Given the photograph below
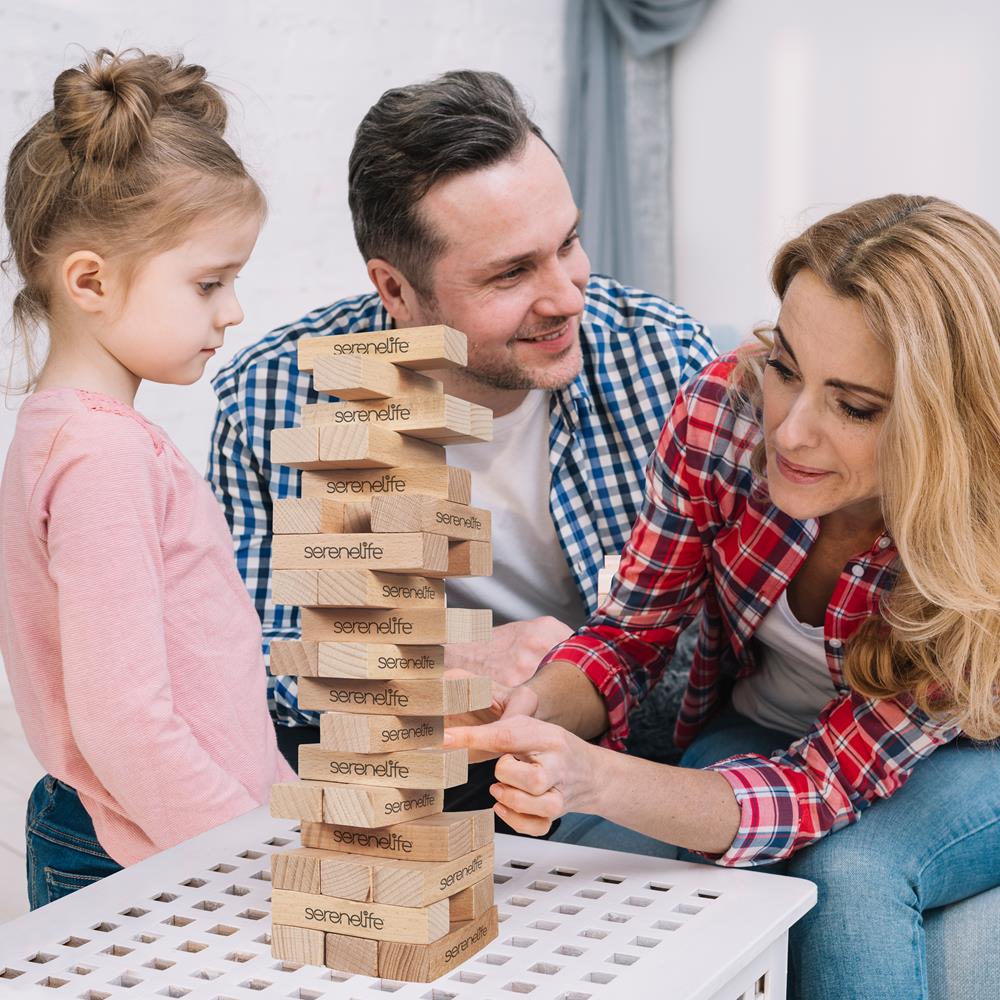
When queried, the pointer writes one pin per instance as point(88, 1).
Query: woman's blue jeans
point(934, 842)
point(63, 853)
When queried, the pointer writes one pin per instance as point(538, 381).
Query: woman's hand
point(507, 701)
point(543, 773)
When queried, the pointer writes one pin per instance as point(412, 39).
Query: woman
point(830, 502)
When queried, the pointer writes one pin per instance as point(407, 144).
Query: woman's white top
point(792, 682)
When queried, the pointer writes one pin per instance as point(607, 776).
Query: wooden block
point(369, 806)
point(471, 902)
point(298, 516)
point(298, 800)
point(403, 626)
point(290, 656)
point(441, 517)
point(369, 447)
point(481, 421)
point(379, 733)
point(355, 588)
point(308, 870)
point(445, 482)
point(359, 660)
point(416, 924)
point(434, 696)
point(470, 559)
point(418, 883)
point(425, 963)
point(418, 347)
point(382, 880)
point(407, 552)
point(434, 768)
point(299, 870)
point(441, 837)
point(319, 515)
point(356, 955)
point(439, 418)
point(296, 944)
point(294, 586)
point(359, 377)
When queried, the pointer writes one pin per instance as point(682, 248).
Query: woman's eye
point(783, 371)
point(207, 286)
point(862, 416)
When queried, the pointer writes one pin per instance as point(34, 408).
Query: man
point(464, 217)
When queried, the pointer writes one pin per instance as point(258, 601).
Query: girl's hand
point(543, 773)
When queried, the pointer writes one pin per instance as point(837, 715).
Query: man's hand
point(543, 773)
point(512, 654)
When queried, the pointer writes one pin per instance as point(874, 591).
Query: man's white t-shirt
point(511, 477)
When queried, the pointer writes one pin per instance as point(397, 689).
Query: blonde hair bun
point(103, 110)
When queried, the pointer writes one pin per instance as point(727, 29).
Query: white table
point(576, 923)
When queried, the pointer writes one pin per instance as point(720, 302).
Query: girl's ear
point(85, 281)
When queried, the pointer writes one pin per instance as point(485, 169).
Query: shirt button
point(835, 644)
point(884, 542)
point(858, 570)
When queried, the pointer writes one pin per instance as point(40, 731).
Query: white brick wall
point(301, 75)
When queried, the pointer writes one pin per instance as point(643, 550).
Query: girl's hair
point(927, 275)
point(130, 157)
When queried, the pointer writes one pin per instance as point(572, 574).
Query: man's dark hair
point(414, 137)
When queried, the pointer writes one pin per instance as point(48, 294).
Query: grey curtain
point(617, 131)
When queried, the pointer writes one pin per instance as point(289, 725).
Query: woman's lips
point(800, 474)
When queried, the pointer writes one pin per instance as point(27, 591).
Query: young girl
point(132, 647)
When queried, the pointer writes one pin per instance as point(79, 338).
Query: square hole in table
point(493, 959)
point(74, 942)
point(81, 970)
point(160, 964)
point(438, 995)
point(589, 893)
point(539, 886)
point(165, 897)
point(687, 908)
point(104, 927)
point(255, 984)
point(563, 872)
point(569, 949)
point(545, 968)
point(40, 958)
point(645, 942)
point(147, 938)
point(622, 958)
point(53, 982)
point(126, 980)
point(520, 942)
point(117, 950)
point(194, 883)
point(667, 925)
point(523, 865)
point(94, 995)
point(252, 855)
point(176, 920)
point(134, 911)
point(192, 947)
point(173, 991)
point(598, 977)
point(466, 977)
point(8, 973)
point(616, 918)
point(208, 904)
point(544, 925)
point(611, 879)
point(517, 987)
point(590, 932)
point(567, 908)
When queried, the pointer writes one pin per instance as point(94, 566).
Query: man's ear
point(85, 280)
point(397, 294)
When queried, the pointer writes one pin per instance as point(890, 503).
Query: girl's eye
point(207, 286)
point(862, 416)
point(783, 371)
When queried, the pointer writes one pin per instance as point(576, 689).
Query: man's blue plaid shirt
point(638, 350)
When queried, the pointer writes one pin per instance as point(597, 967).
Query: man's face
point(512, 275)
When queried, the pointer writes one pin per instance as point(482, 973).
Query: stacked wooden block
point(386, 884)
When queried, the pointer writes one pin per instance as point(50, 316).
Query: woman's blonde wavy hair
point(927, 275)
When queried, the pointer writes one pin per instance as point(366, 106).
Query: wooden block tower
point(385, 884)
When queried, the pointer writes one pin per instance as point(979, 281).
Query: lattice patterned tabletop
point(576, 924)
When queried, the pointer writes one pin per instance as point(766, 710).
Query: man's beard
point(510, 374)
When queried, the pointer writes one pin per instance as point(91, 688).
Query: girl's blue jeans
point(63, 853)
point(934, 842)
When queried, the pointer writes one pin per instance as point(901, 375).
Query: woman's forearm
point(567, 698)
point(684, 806)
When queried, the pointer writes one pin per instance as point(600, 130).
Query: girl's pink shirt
point(132, 646)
